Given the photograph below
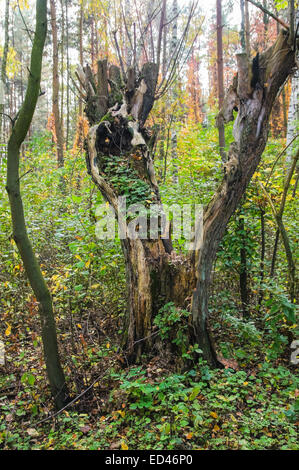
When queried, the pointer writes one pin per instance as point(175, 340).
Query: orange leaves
point(81, 133)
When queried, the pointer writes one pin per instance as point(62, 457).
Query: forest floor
point(252, 403)
point(150, 406)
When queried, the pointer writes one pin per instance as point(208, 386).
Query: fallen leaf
point(32, 432)
point(8, 330)
point(85, 429)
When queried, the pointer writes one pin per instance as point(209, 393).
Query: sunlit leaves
point(13, 64)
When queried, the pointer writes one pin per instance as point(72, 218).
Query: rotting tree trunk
point(119, 158)
point(55, 97)
point(20, 235)
point(119, 161)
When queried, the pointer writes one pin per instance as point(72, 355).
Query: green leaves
point(28, 379)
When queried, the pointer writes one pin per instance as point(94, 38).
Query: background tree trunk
point(293, 115)
point(55, 97)
point(3, 68)
point(220, 78)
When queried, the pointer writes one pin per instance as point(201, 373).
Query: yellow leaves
point(13, 64)
point(21, 3)
point(95, 286)
point(124, 446)
point(8, 330)
point(216, 428)
point(18, 267)
point(213, 414)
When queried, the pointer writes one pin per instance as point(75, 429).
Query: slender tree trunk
point(242, 32)
point(293, 116)
point(55, 97)
point(285, 114)
point(62, 64)
point(162, 136)
point(32, 268)
point(173, 140)
point(278, 215)
point(81, 59)
point(274, 254)
point(262, 263)
point(3, 68)
point(220, 122)
point(243, 268)
point(247, 29)
point(67, 78)
point(92, 43)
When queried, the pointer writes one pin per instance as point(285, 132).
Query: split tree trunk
point(120, 163)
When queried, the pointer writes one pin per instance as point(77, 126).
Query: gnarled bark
point(119, 145)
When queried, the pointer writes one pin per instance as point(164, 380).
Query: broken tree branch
point(261, 7)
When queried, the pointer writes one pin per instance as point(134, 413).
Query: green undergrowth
point(150, 409)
